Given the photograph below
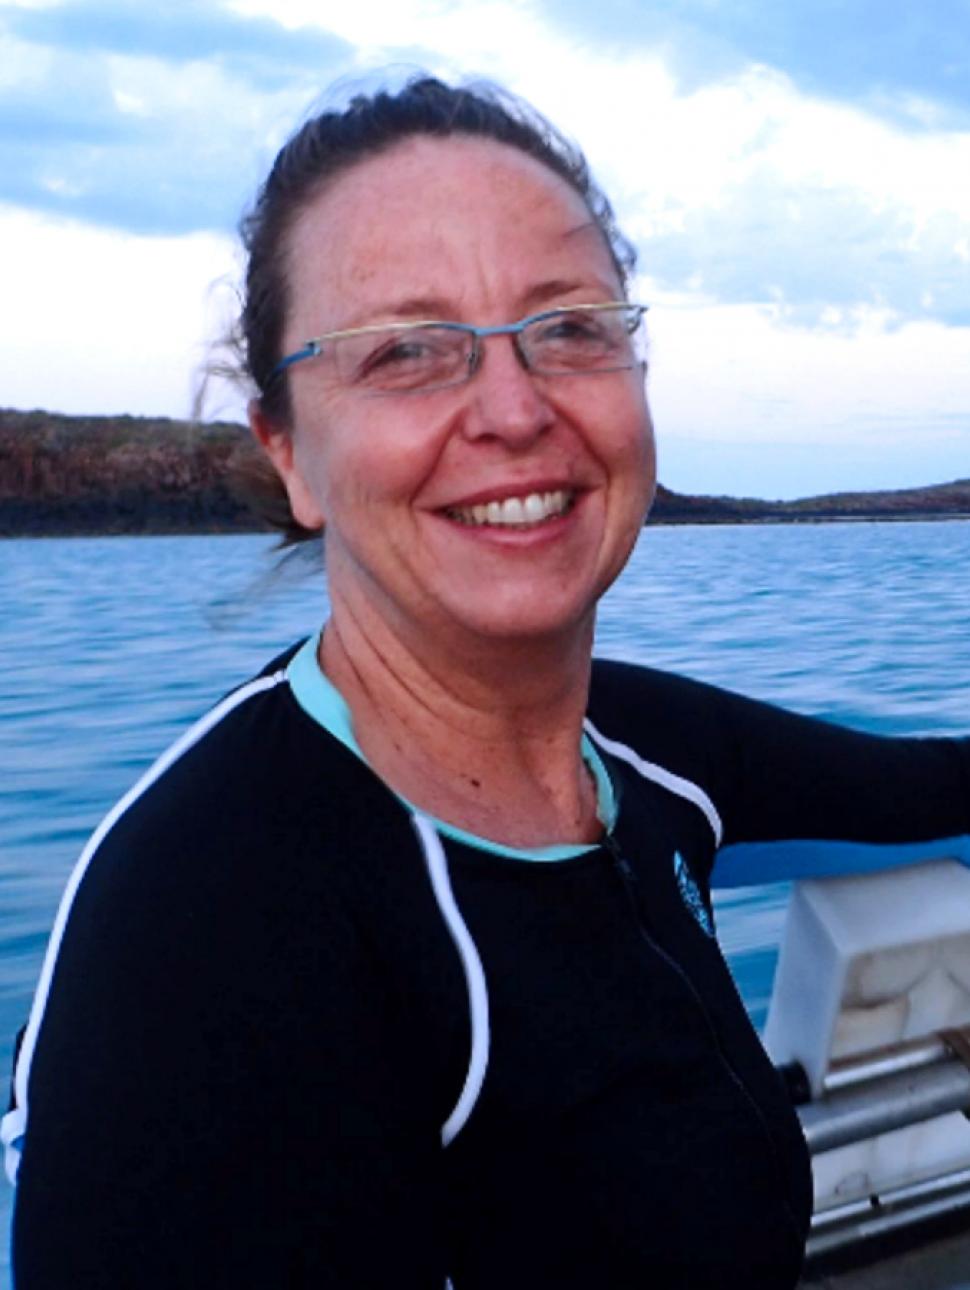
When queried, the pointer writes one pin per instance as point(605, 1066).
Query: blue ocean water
point(110, 647)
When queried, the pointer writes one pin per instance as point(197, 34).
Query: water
point(112, 646)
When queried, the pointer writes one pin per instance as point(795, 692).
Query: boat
point(869, 1024)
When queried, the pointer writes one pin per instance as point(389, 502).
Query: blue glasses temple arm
point(309, 350)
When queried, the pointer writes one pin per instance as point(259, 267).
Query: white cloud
point(161, 140)
point(97, 321)
point(457, 28)
point(23, 65)
point(133, 104)
point(723, 372)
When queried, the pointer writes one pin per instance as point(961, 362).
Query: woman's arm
point(809, 798)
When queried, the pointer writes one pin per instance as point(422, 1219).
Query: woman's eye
point(402, 351)
point(407, 359)
point(571, 329)
point(566, 327)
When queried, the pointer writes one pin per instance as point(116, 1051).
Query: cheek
point(649, 452)
point(634, 466)
point(355, 468)
point(644, 422)
point(632, 439)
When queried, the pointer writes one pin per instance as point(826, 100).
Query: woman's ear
point(277, 442)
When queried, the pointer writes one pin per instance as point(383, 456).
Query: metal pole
point(866, 1219)
point(885, 1104)
point(892, 1060)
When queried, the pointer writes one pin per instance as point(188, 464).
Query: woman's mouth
point(515, 512)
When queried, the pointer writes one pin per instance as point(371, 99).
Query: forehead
point(461, 222)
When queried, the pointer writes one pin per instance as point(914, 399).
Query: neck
point(486, 736)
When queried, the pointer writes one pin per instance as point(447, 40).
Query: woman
point(400, 966)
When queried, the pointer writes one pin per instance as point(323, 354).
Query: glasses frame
point(314, 347)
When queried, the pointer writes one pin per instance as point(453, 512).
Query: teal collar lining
point(321, 700)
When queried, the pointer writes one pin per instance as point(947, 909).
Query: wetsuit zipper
point(631, 886)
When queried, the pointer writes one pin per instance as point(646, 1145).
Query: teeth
point(516, 511)
point(534, 508)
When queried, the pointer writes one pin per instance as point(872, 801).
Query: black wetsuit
point(259, 1019)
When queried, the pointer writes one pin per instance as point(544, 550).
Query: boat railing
point(869, 1023)
point(874, 1093)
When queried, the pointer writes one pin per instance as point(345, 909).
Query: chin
point(533, 621)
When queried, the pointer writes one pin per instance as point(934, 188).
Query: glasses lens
point(583, 339)
point(411, 356)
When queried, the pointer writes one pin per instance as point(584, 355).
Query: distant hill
point(64, 476)
point(938, 501)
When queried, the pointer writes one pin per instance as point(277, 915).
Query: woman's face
point(473, 231)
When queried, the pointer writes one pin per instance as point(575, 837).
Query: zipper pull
point(620, 862)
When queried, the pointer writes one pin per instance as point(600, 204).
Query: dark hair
point(333, 142)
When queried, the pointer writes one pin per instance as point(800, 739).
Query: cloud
point(744, 403)
point(107, 322)
point(821, 253)
point(180, 32)
point(720, 366)
point(751, 191)
point(909, 63)
point(100, 124)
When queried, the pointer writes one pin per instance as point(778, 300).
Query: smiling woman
point(494, 237)
point(400, 966)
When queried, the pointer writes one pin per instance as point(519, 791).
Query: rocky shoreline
point(84, 476)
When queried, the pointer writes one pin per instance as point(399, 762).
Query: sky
point(795, 177)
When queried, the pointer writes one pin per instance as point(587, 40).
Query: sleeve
point(215, 1098)
point(802, 797)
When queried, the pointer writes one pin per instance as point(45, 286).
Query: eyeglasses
point(401, 358)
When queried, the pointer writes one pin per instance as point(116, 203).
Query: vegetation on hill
point(62, 475)
point(938, 501)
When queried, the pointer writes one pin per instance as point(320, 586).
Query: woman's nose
point(505, 400)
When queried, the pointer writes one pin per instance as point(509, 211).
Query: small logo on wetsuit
point(691, 894)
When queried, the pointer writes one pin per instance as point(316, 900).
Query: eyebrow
point(545, 292)
point(437, 308)
point(417, 307)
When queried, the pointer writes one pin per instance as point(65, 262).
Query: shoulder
point(254, 800)
point(700, 732)
point(615, 681)
point(257, 891)
point(666, 706)
point(661, 710)
point(230, 871)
